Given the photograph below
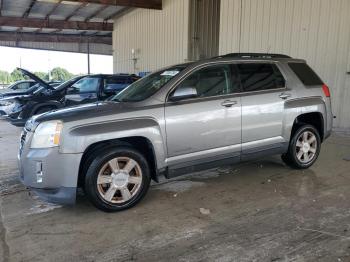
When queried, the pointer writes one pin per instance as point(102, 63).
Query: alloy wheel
point(119, 180)
point(306, 147)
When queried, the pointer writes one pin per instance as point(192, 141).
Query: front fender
point(77, 139)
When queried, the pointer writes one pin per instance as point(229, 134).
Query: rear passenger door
point(263, 96)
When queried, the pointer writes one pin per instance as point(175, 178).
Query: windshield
point(67, 83)
point(38, 89)
point(147, 86)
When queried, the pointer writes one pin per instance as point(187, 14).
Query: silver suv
point(177, 120)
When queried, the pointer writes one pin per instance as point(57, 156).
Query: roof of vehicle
point(110, 75)
point(24, 81)
point(256, 57)
point(239, 57)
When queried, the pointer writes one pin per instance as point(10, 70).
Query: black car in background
point(29, 87)
point(22, 85)
point(79, 90)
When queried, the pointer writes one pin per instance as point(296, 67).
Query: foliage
point(60, 74)
point(16, 75)
point(57, 74)
point(5, 77)
point(42, 75)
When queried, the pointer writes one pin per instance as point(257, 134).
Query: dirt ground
point(256, 211)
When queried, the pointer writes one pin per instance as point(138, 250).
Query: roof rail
point(255, 55)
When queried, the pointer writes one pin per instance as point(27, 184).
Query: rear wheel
point(117, 179)
point(304, 148)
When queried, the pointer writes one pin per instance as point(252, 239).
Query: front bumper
point(49, 173)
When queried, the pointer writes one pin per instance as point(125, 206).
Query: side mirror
point(184, 93)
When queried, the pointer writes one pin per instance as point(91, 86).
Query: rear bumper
point(327, 134)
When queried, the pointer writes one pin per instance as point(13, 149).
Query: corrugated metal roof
point(100, 49)
point(56, 10)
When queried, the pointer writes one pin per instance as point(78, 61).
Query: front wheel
point(304, 148)
point(117, 179)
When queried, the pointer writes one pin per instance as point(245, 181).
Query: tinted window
point(23, 86)
point(210, 81)
point(114, 83)
point(306, 75)
point(86, 85)
point(257, 77)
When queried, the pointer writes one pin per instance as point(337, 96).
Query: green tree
point(5, 77)
point(60, 74)
point(44, 76)
point(16, 75)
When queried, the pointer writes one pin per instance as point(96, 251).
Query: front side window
point(147, 86)
point(86, 85)
point(260, 76)
point(23, 86)
point(210, 81)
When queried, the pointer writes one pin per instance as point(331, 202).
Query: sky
point(43, 61)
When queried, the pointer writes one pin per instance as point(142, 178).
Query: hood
point(85, 111)
point(13, 97)
point(35, 78)
point(14, 94)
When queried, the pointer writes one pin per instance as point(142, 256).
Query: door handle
point(228, 103)
point(284, 95)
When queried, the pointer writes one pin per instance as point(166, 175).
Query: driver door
point(84, 91)
point(207, 127)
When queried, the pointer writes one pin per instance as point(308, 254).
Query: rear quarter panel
point(308, 99)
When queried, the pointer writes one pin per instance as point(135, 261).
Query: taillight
point(326, 91)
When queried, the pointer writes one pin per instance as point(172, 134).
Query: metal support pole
point(88, 55)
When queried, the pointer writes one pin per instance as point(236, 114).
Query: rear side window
point(306, 75)
point(115, 83)
point(260, 76)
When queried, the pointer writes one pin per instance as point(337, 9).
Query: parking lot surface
point(255, 211)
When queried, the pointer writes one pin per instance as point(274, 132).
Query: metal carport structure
point(83, 26)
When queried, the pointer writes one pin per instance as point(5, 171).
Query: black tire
point(91, 187)
point(291, 158)
point(43, 109)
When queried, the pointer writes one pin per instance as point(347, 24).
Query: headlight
point(47, 134)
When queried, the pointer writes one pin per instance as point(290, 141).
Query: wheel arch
point(53, 104)
point(140, 143)
point(312, 118)
point(308, 110)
